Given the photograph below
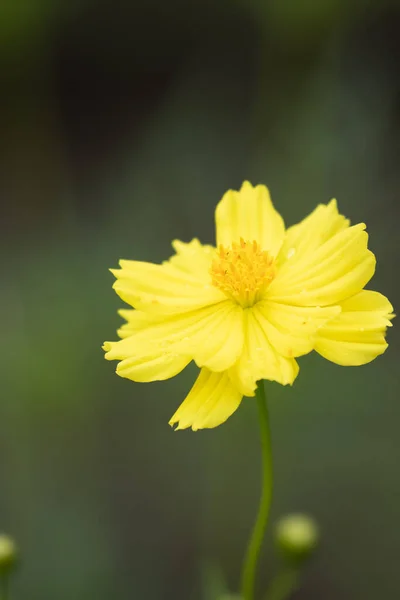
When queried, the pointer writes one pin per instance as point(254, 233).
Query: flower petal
point(146, 365)
point(136, 320)
point(291, 329)
point(194, 258)
point(337, 269)
point(216, 340)
point(211, 336)
point(249, 214)
point(313, 231)
point(212, 399)
point(143, 363)
point(166, 288)
point(260, 360)
point(357, 335)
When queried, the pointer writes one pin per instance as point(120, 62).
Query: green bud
point(8, 554)
point(296, 537)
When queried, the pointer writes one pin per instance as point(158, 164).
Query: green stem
point(285, 583)
point(257, 536)
point(3, 587)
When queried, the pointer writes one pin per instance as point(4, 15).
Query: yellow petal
point(290, 329)
point(212, 399)
point(367, 300)
point(136, 320)
point(313, 231)
point(216, 339)
point(260, 360)
point(144, 361)
point(163, 289)
point(212, 336)
point(194, 258)
point(337, 269)
point(145, 366)
point(357, 335)
point(249, 214)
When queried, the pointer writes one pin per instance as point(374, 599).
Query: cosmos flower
point(247, 309)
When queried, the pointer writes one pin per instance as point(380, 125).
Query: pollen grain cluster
point(242, 271)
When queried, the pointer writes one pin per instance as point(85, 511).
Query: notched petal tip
point(249, 214)
point(246, 185)
point(176, 425)
point(125, 313)
point(210, 402)
point(107, 347)
point(179, 245)
point(124, 263)
point(357, 336)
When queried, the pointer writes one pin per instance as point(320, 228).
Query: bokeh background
point(122, 124)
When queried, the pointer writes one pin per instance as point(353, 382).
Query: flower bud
point(296, 537)
point(8, 554)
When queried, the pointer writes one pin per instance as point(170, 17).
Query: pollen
point(243, 271)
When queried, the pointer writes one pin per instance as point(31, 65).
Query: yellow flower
point(246, 310)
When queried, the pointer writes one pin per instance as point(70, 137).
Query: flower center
point(243, 271)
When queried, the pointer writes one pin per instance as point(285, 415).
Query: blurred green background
point(122, 124)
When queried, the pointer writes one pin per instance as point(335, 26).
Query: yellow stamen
point(243, 271)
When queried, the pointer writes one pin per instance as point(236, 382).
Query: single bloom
point(245, 310)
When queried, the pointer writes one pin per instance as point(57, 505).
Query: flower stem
point(257, 536)
point(3, 587)
point(285, 583)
